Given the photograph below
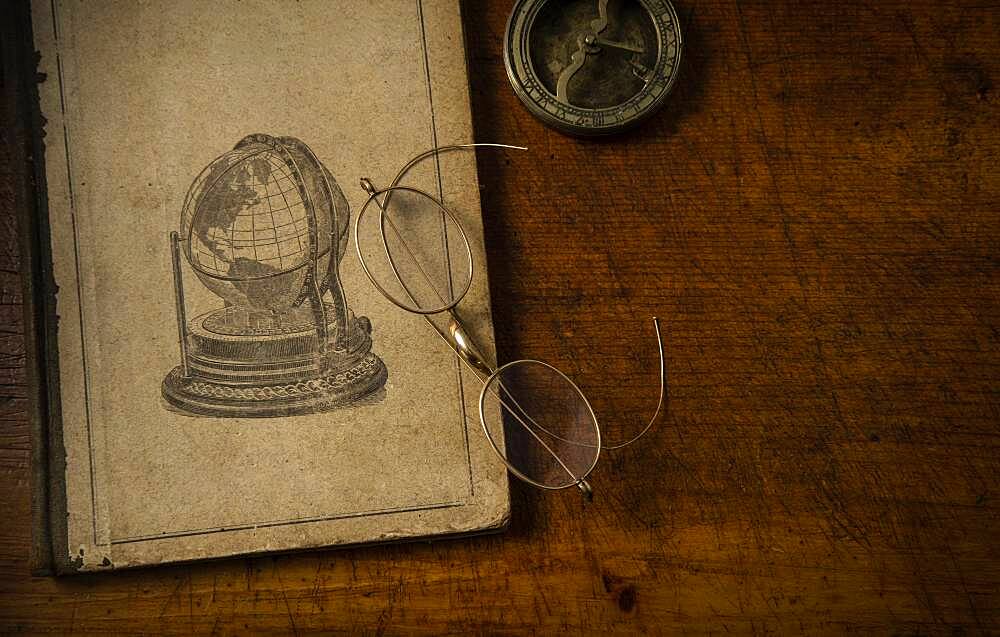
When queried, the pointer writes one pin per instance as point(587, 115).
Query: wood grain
point(814, 216)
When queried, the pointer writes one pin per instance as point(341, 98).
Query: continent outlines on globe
point(247, 227)
point(240, 222)
point(265, 226)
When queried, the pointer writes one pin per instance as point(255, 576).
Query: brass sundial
point(592, 67)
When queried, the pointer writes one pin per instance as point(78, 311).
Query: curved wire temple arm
point(659, 402)
point(443, 149)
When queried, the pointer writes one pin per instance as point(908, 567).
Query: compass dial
point(592, 67)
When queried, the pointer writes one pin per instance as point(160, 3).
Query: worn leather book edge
point(26, 145)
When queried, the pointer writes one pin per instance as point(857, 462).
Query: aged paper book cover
point(224, 380)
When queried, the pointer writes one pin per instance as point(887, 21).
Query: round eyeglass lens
point(414, 250)
point(540, 423)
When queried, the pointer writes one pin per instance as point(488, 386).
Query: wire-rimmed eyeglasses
point(418, 256)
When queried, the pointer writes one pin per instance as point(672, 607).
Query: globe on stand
point(264, 227)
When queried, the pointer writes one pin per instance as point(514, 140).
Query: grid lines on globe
point(266, 232)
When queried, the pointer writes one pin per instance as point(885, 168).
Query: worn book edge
point(27, 152)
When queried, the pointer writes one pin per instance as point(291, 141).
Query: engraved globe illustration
point(264, 227)
point(247, 227)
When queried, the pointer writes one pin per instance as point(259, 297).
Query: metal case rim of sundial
point(583, 130)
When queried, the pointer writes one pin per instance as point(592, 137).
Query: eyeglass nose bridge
point(466, 348)
point(368, 186)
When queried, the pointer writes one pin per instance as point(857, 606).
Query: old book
point(223, 379)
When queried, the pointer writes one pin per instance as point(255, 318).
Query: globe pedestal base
point(209, 398)
point(269, 375)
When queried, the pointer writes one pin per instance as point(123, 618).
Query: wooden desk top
point(814, 216)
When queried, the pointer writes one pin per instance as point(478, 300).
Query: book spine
point(48, 553)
